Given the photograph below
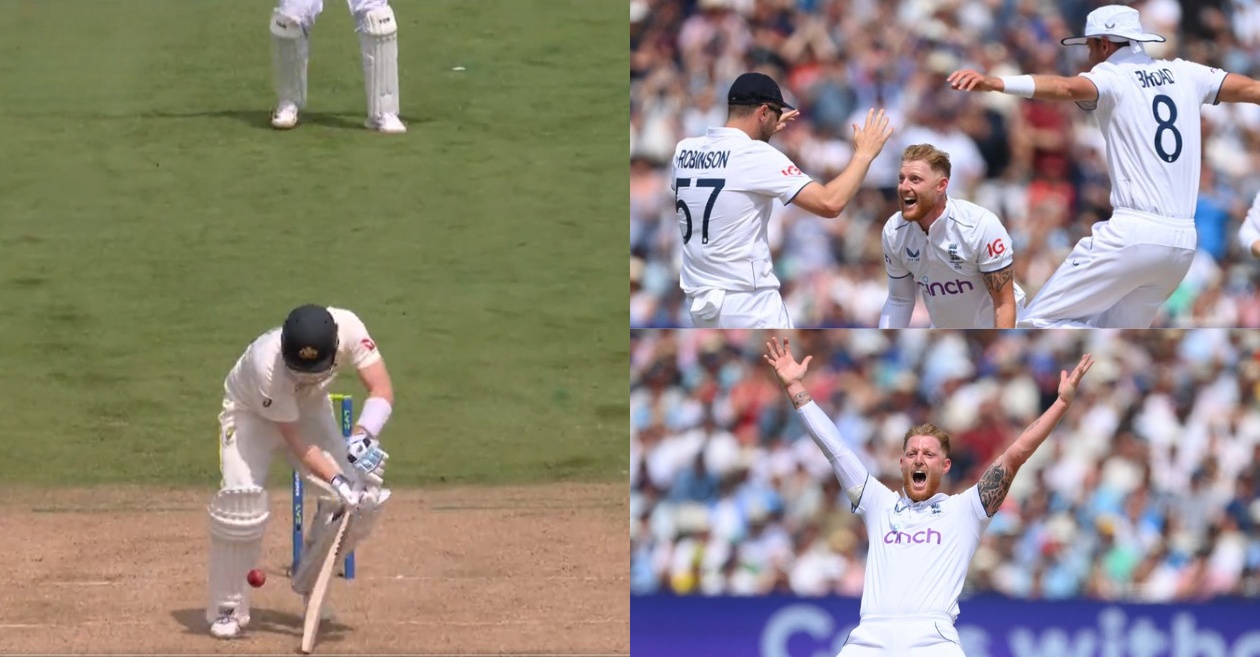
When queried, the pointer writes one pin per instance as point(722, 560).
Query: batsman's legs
point(322, 426)
point(291, 24)
point(238, 519)
point(378, 41)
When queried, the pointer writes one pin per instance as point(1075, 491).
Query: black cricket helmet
point(308, 339)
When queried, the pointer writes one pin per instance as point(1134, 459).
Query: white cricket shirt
point(1148, 111)
point(948, 262)
point(919, 553)
point(1249, 231)
point(725, 184)
point(259, 382)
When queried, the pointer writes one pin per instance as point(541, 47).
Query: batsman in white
point(921, 540)
point(1148, 111)
point(276, 396)
point(955, 252)
point(291, 24)
point(725, 184)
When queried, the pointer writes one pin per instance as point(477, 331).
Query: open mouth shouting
point(918, 478)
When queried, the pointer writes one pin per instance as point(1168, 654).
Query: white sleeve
point(354, 341)
point(899, 307)
point(1207, 80)
point(1104, 80)
point(770, 173)
point(971, 500)
point(892, 259)
point(994, 250)
point(848, 467)
point(1250, 230)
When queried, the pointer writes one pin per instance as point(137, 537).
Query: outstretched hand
point(874, 133)
point(786, 118)
point(1069, 382)
point(969, 80)
point(780, 358)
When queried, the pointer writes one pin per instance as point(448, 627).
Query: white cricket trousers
point(306, 11)
point(1118, 277)
point(763, 308)
point(903, 636)
point(247, 442)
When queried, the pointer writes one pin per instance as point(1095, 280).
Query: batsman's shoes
point(387, 123)
point(226, 627)
point(285, 117)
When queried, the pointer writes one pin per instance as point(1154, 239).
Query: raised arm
point(1238, 88)
point(831, 199)
point(1040, 87)
point(848, 467)
point(995, 483)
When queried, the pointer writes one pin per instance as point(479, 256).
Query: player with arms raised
point(725, 185)
point(277, 396)
point(921, 540)
point(955, 252)
point(1148, 110)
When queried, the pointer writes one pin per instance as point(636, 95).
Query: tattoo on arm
point(996, 280)
point(800, 399)
point(993, 487)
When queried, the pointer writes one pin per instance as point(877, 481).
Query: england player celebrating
point(277, 396)
point(921, 540)
point(1148, 110)
point(956, 253)
point(725, 185)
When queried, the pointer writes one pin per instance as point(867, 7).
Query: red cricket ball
point(256, 578)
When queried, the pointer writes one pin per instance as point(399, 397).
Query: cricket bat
point(311, 626)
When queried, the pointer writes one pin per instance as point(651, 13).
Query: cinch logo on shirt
point(895, 537)
point(946, 288)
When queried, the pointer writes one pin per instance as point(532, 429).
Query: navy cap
point(755, 89)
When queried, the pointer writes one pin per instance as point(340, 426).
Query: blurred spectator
point(1147, 492)
point(1038, 165)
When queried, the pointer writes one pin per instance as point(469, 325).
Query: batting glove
point(367, 457)
point(349, 493)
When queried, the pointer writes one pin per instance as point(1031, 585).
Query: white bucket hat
point(1115, 23)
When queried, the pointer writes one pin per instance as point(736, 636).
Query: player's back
point(1149, 113)
point(725, 184)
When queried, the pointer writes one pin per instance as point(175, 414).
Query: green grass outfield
point(152, 224)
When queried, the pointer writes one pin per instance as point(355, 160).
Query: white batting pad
point(238, 521)
point(378, 39)
point(290, 52)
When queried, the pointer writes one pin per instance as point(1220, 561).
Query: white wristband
point(1018, 85)
point(374, 416)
